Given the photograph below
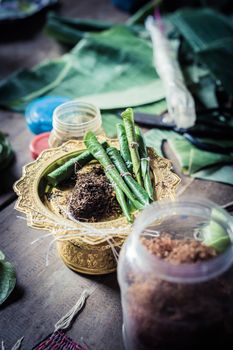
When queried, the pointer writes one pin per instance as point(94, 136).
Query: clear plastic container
point(72, 120)
point(183, 306)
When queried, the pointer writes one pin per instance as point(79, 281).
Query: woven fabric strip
point(58, 341)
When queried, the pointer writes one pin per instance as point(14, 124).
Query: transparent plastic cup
point(72, 120)
point(182, 306)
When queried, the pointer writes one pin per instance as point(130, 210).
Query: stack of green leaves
point(111, 69)
point(210, 36)
point(7, 278)
point(6, 152)
point(193, 161)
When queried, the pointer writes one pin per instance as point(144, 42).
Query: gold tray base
point(85, 254)
point(79, 265)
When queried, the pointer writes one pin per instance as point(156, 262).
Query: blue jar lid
point(39, 113)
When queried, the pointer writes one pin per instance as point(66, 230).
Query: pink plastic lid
point(38, 144)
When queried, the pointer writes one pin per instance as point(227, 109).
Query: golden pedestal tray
point(85, 254)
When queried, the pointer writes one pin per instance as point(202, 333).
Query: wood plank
point(44, 294)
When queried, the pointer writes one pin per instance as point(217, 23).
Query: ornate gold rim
point(38, 215)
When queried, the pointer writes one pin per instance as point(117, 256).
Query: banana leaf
point(210, 35)
point(222, 174)
point(109, 121)
point(110, 63)
point(155, 137)
point(194, 162)
point(132, 96)
point(71, 30)
point(199, 159)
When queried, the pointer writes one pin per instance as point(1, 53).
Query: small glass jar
point(72, 120)
point(178, 306)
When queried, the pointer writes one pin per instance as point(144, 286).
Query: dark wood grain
point(44, 294)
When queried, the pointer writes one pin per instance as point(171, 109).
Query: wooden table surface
point(43, 294)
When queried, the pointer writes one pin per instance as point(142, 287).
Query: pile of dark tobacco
point(93, 198)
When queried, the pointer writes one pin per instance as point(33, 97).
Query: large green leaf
point(109, 124)
point(116, 62)
point(72, 30)
point(155, 137)
point(7, 278)
point(197, 163)
point(210, 35)
point(132, 96)
point(155, 108)
point(199, 159)
point(216, 173)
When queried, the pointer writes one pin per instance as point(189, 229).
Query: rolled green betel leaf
point(128, 120)
point(215, 234)
point(67, 170)
point(98, 152)
point(124, 147)
point(145, 163)
point(121, 199)
point(137, 190)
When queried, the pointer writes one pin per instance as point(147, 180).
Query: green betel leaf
point(128, 120)
point(7, 278)
point(214, 234)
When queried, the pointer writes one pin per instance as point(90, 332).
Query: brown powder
point(163, 315)
point(178, 251)
point(93, 198)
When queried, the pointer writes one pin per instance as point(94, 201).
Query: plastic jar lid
point(72, 120)
point(38, 144)
point(76, 117)
point(39, 113)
